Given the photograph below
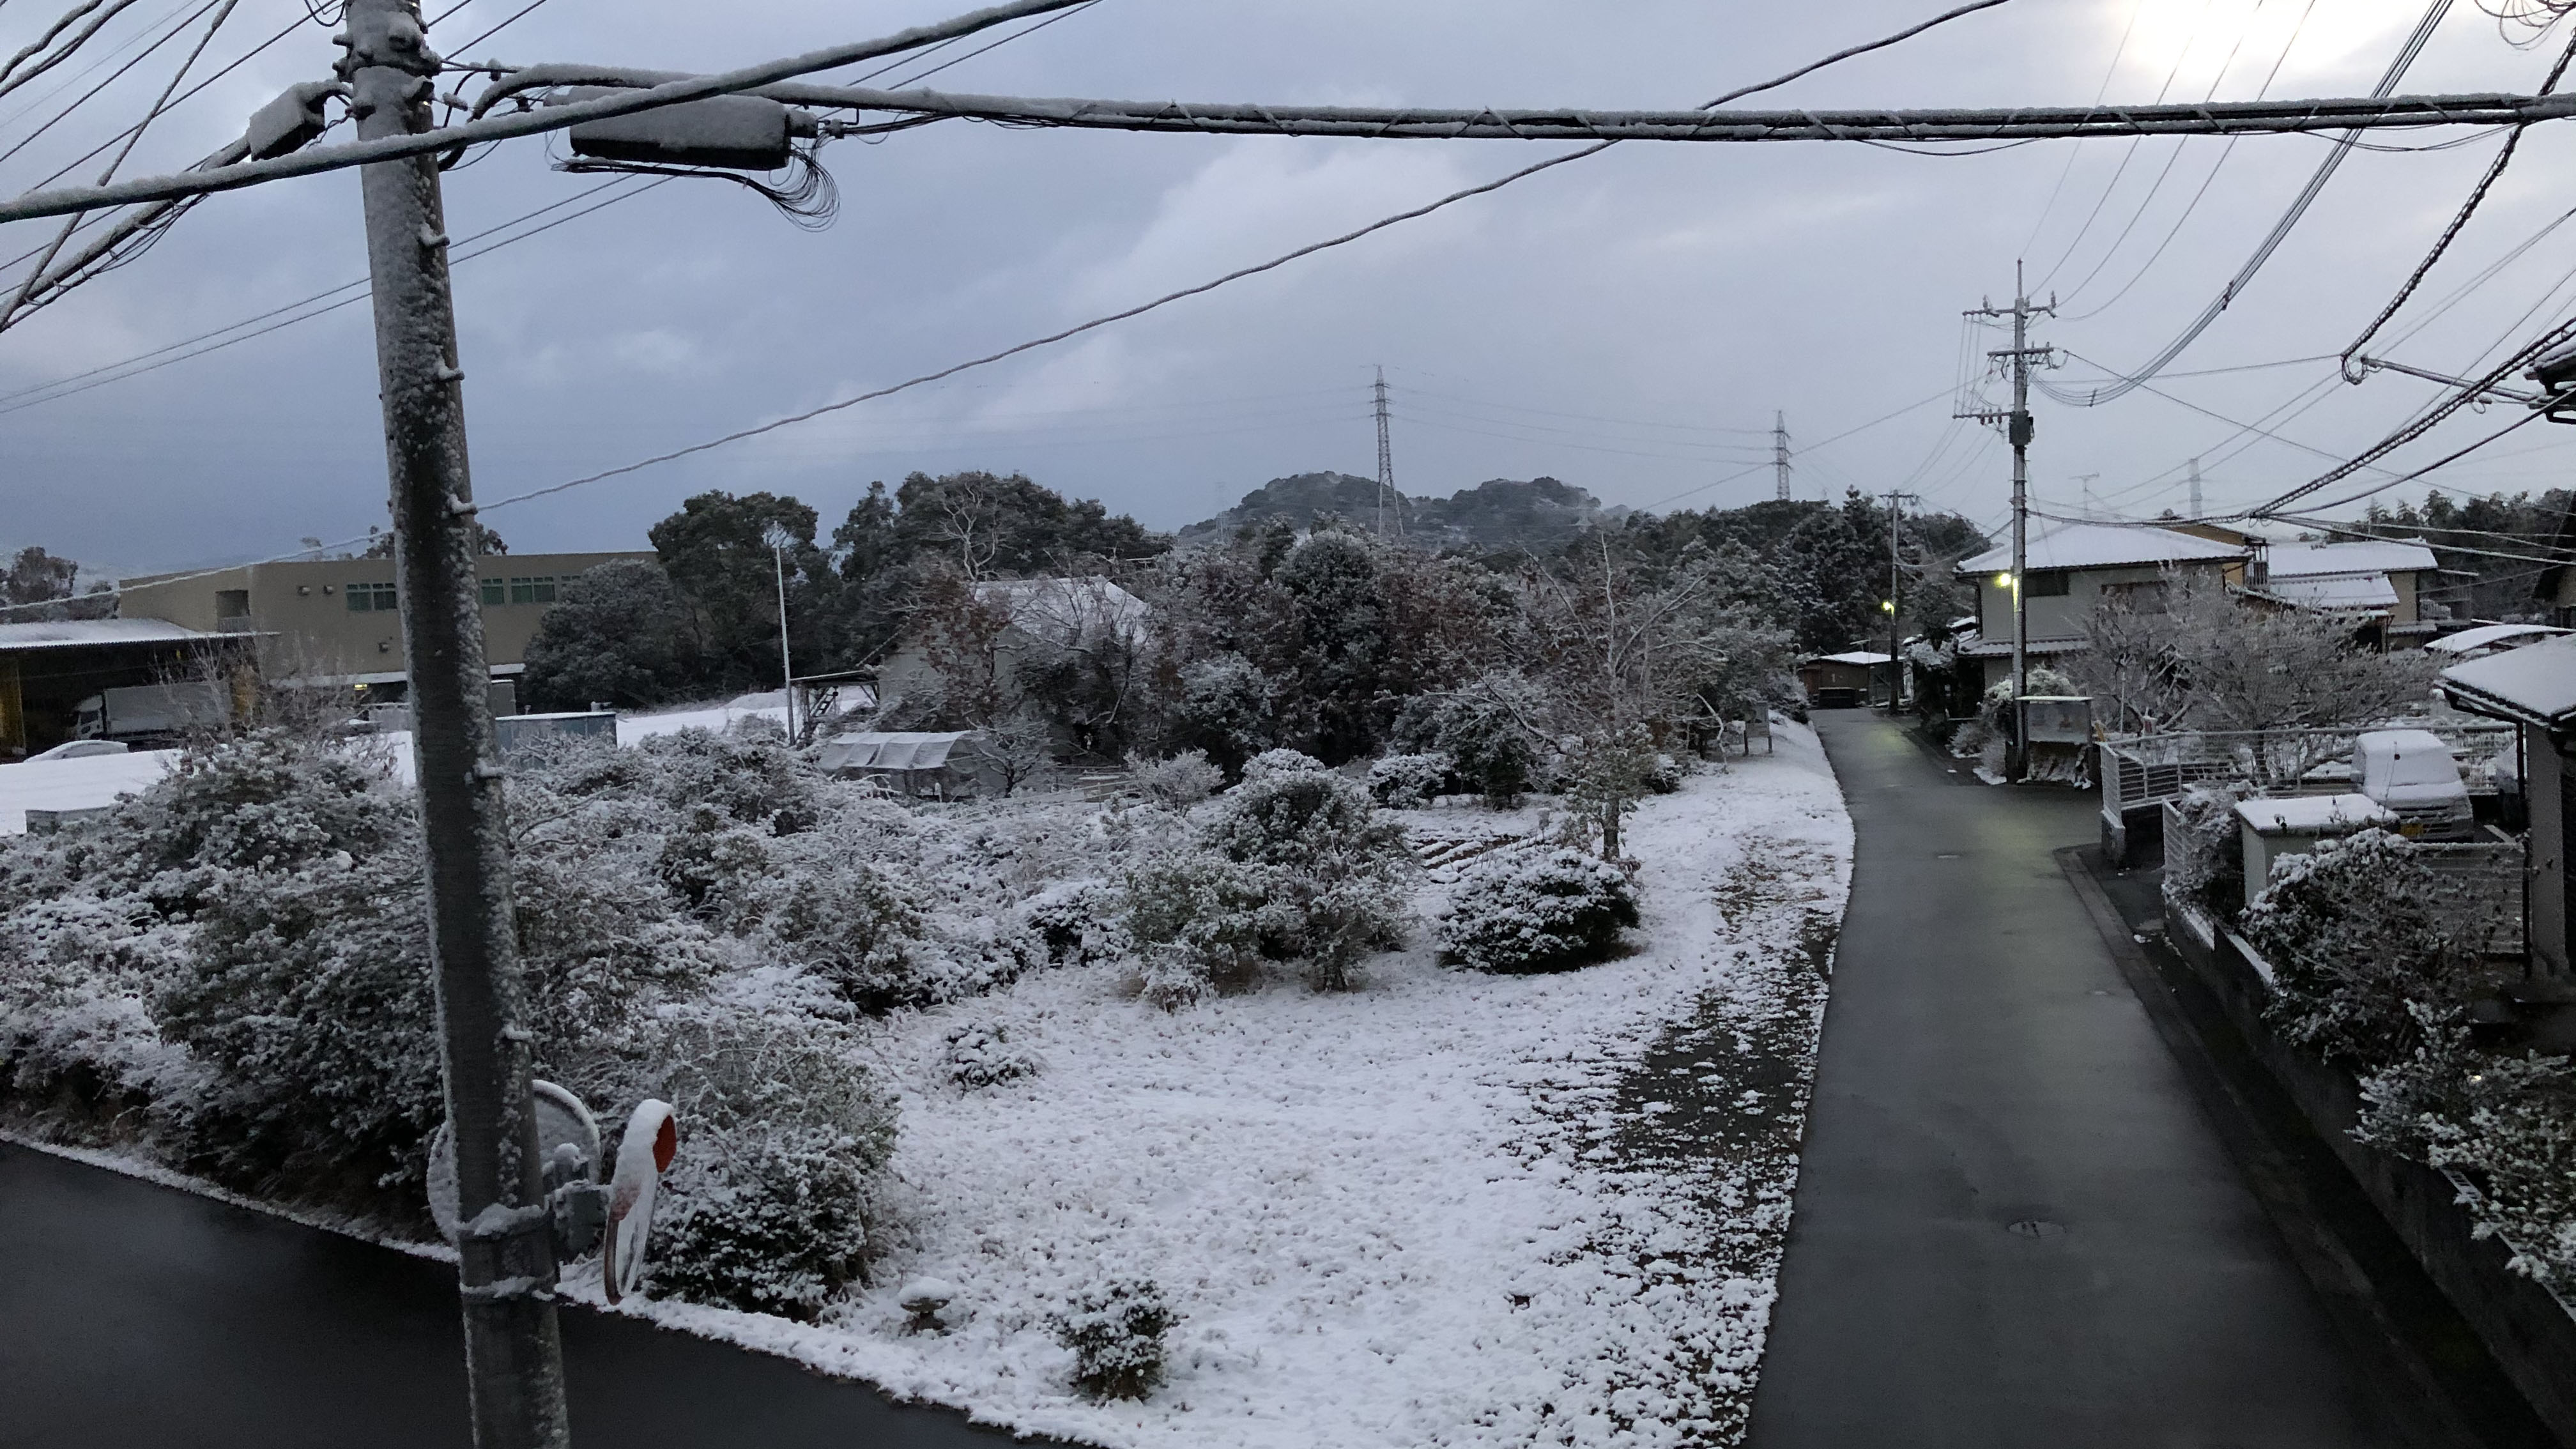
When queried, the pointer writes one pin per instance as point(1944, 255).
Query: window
point(232, 603)
point(538, 590)
point(495, 592)
point(370, 598)
point(2048, 585)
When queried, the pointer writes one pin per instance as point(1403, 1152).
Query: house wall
point(2549, 778)
point(307, 604)
point(2063, 616)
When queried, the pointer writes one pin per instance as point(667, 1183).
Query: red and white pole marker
point(652, 1139)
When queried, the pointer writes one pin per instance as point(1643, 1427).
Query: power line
point(1238, 274)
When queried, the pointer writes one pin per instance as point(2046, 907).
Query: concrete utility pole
point(786, 660)
point(1386, 493)
point(505, 1254)
point(2017, 430)
point(1780, 454)
point(1895, 601)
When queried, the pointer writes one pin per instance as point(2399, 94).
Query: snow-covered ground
point(1433, 1212)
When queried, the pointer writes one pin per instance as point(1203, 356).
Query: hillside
point(1502, 513)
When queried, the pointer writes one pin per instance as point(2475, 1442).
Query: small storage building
point(1845, 681)
point(936, 764)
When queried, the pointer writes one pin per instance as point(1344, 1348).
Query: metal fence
point(2477, 883)
point(2139, 771)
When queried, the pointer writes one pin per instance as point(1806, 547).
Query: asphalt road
point(2014, 1226)
point(137, 1315)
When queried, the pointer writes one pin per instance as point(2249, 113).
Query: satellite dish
point(652, 1139)
point(567, 1143)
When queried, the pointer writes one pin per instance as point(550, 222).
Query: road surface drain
point(2037, 1228)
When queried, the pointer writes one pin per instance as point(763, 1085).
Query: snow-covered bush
point(1664, 776)
point(1295, 865)
point(1544, 913)
point(1079, 923)
point(783, 1132)
point(980, 1054)
point(77, 977)
point(1409, 782)
point(2204, 866)
point(1179, 782)
point(2356, 934)
point(1487, 729)
point(2509, 1122)
point(1116, 1334)
point(855, 927)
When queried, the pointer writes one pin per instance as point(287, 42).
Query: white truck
point(2414, 776)
point(151, 711)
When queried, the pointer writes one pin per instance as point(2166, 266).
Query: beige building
point(339, 620)
point(2072, 568)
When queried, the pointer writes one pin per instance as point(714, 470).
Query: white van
point(2414, 776)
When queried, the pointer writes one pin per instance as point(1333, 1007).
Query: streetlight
point(778, 538)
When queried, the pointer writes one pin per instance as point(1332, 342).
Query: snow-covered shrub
point(855, 927)
point(1295, 865)
point(1079, 923)
point(2356, 933)
point(1664, 776)
point(308, 993)
point(2509, 1122)
point(980, 1054)
point(1179, 782)
point(782, 1134)
point(1116, 1334)
point(77, 977)
point(1544, 913)
point(1409, 782)
point(2204, 866)
point(1486, 729)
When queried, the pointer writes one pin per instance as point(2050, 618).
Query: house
point(1036, 616)
point(339, 621)
point(2534, 687)
point(2488, 639)
point(2071, 568)
point(2379, 585)
point(1847, 680)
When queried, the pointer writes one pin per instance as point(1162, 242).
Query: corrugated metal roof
point(2536, 684)
point(2489, 636)
point(2100, 545)
point(891, 750)
point(98, 633)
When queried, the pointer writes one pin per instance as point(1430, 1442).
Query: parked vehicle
point(151, 711)
point(2414, 776)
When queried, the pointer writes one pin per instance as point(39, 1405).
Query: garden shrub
point(980, 1054)
point(1079, 923)
point(2355, 934)
point(1485, 729)
point(1116, 1333)
point(1409, 782)
point(1549, 912)
point(2205, 865)
point(1179, 782)
point(2507, 1121)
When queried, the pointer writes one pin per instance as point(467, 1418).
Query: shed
point(2292, 825)
point(47, 667)
point(1844, 681)
point(914, 762)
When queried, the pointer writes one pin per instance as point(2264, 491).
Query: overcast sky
point(1629, 323)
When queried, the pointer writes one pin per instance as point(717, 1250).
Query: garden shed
point(933, 763)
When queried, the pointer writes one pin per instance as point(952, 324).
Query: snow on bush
point(1548, 912)
point(980, 1054)
point(1294, 865)
point(2356, 933)
point(1488, 731)
point(1079, 922)
point(2204, 867)
point(2507, 1121)
point(1179, 782)
point(1409, 782)
point(1116, 1334)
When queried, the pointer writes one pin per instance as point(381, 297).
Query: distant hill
point(1502, 513)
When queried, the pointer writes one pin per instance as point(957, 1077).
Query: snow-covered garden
point(1024, 1105)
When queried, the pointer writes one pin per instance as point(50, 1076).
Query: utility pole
point(1780, 454)
point(2017, 430)
point(786, 661)
point(505, 1253)
point(1386, 493)
point(2195, 489)
point(1895, 601)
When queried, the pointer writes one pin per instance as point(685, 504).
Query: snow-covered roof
point(891, 750)
point(97, 633)
point(1854, 656)
point(1981, 648)
point(2487, 638)
point(2333, 592)
point(2535, 684)
point(76, 784)
point(2308, 814)
point(2101, 545)
point(1071, 607)
point(2296, 560)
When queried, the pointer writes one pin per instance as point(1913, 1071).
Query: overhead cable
point(2406, 54)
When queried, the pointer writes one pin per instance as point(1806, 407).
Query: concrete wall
point(328, 614)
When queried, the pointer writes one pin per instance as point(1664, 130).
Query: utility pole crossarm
point(775, 80)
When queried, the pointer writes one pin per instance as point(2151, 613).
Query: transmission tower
point(1780, 453)
point(1386, 493)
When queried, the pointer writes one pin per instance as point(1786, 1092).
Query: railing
point(2139, 771)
